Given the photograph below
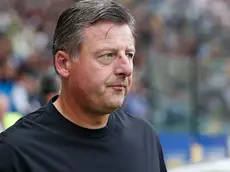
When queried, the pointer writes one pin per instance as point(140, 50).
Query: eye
point(107, 58)
point(130, 55)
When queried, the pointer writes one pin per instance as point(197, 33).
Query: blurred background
point(182, 70)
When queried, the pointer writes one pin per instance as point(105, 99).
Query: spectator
point(49, 87)
point(25, 89)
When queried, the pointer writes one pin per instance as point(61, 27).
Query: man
point(7, 69)
point(83, 128)
point(49, 87)
point(24, 91)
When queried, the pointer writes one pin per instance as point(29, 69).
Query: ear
point(63, 64)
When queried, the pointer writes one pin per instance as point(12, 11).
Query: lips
point(118, 86)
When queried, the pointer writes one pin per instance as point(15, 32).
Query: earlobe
point(62, 63)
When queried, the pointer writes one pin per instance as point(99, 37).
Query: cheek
point(98, 80)
point(130, 80)
point(90, 76)
point(91, 80)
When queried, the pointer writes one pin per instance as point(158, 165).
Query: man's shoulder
point(132, 118)
point(19, 133)
point(135, 122)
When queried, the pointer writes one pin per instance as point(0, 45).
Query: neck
point(71, 110)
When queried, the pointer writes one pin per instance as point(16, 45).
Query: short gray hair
point(68, 34)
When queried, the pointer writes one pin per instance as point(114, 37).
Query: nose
point(124, 66)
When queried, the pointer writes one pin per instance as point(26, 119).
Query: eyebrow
point(129, 49)
point(98, 51)
point(132, 49)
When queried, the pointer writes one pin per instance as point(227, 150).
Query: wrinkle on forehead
point(101, 31)
point(108, 31)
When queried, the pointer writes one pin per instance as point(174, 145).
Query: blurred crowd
point(182, 63)
point(169, 34)
point(27, 77)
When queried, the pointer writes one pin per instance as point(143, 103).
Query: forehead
point(108, 32)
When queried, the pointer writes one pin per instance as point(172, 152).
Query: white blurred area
point(215, 166)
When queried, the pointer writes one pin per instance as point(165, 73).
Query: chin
point(106, 110)
point(113, 103)
point(114, 106)
point(110, 110)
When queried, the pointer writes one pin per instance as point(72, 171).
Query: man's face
point(102, 74)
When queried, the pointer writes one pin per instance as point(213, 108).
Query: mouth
point(118, 87)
